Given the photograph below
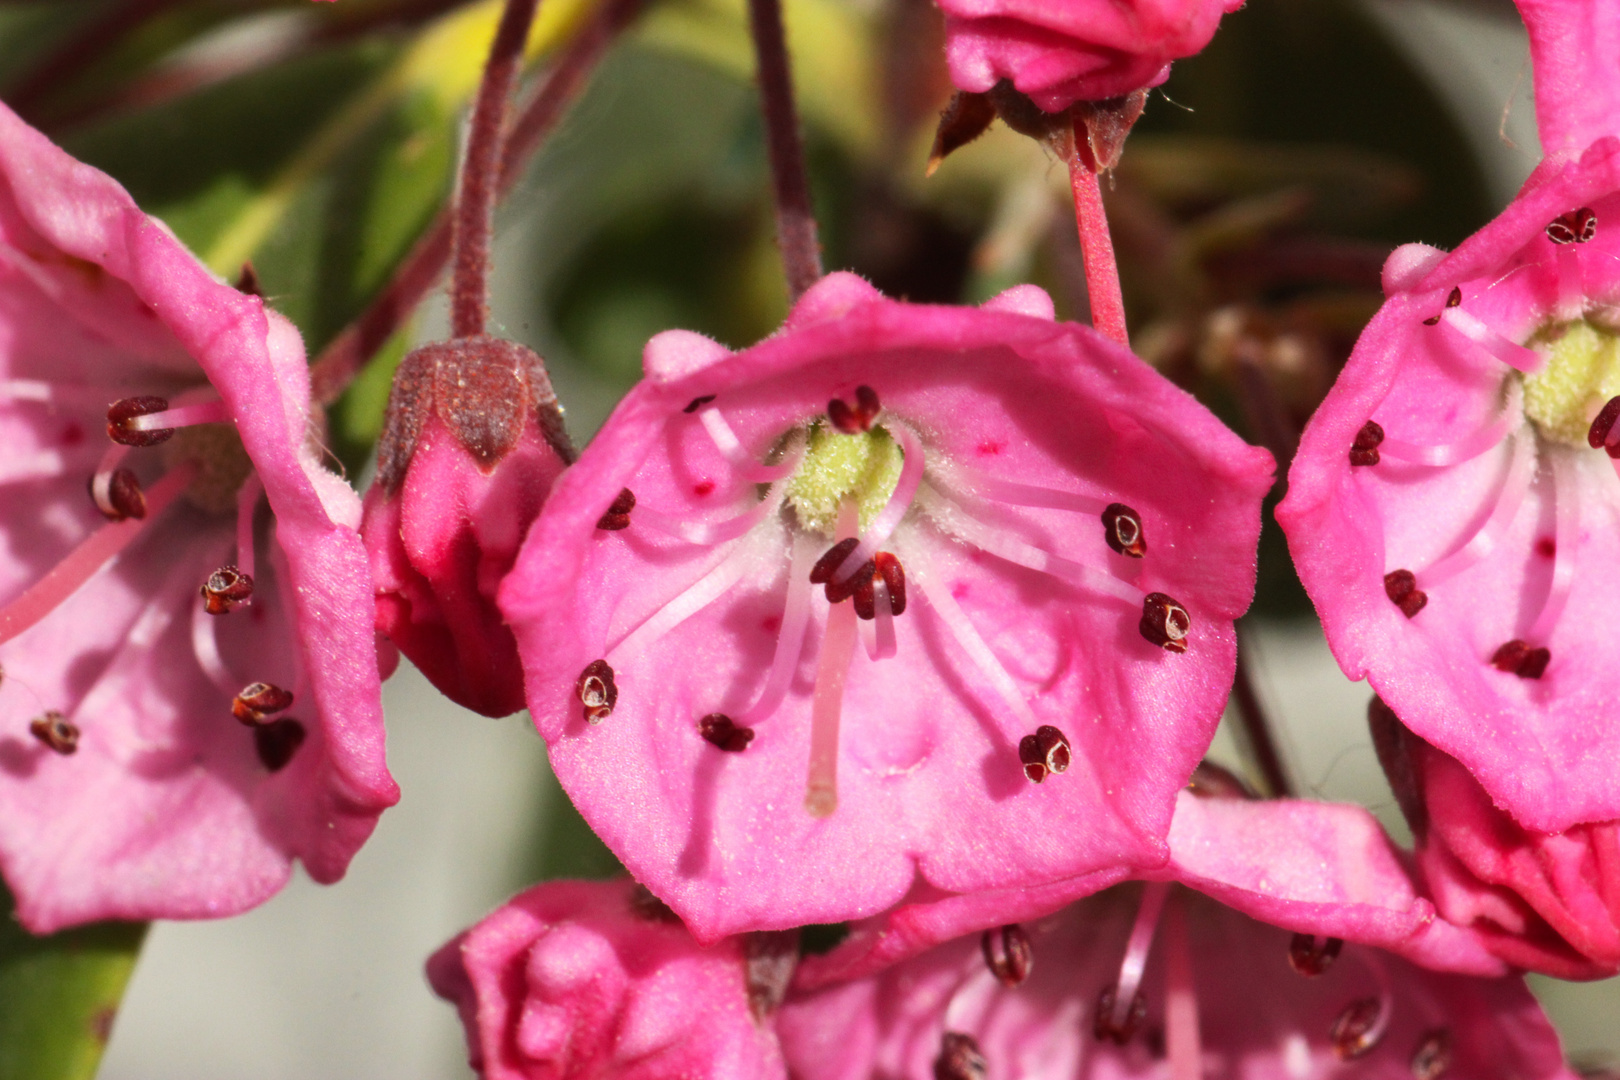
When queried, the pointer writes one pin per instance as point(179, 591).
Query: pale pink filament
point(205, 646)
point(1566, 535)
point(247, 503)
point(47, 392)
point(883, 526)
point(1571, 286)
point(827, 703)
point(82, 563)
point(882, 645)
point(703, 592)
point(714, 532)
point(1015, 494)
point(1137, 948)
point(206, 412)
point(955, 521)
point(731, 448)
point(101, 482)
point(1467, 448)
point(1511, 354)
point(790, 638)
point(1182, 1040)
point(938, 594)
point(1509, 497)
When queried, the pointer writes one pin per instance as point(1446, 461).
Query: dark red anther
point(849, 419)
point(1401, 588)
point(1103, 1026)
point(225, 589)
point(1122, 530)
point(644, 905)
point(831, 560)
point(960, 1058)
point(1364, 451)
point(597, 691)
point(1575, 227)
point(120, 413)
point(697, 403)
point(1518, 658)
point(1598, 434)
point(258, 701)
point(827, 567)
point(1310, 955)
point(1357, 1029)
point(894, 577)
point(617, 515)
point(1432, 1058)
point(1008, 954)
point(1452, 301)
point(54, 730)
point(1046, 751)
point(722, 731)
point(124, 498)
point(1165, 622)
point(277, 742)
point(1211, 781)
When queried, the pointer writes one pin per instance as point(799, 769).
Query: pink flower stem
point(1257, 728)
point(795, 219)
point(475, 204)
point(1097, 248)
point(348, 353)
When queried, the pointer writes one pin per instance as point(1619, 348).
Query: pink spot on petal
point(771, 624)
point(703, 488)
point(72, 433)
point(1546, 547)
point(991, 447)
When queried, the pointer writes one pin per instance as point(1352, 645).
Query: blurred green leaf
point(59, 994)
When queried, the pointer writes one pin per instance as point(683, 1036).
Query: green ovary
point(1582, 372)
point(863, 467)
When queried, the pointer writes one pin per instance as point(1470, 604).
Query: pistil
point(827, 703)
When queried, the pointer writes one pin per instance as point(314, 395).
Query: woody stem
point(1097, 248)
point(795, 219)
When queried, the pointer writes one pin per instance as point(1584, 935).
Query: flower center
point(863, 467)
point(1582, 372)
point(222, 464)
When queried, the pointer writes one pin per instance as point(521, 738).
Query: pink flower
point(1452, 511)
point(1154, 980)
point(1549, 902)
point(598, 979)
point(1061, 51)
point(473, 443)
point(128, 789)
point(708, 709)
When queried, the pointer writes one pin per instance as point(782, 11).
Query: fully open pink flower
point(473, 443)
point(1548, 902)
point(1047, 541)
point(1452, 510)
point(1061, 51)
point(128, 789)
point(577, 979)
point(1158, 980)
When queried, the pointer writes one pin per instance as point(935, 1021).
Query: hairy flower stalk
point(893, 559)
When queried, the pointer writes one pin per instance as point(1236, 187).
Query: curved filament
point(1511, 354)
point(790, 640)
point(1132, 967)
point(716, 532)
point(703, 592)
point(1467, 448)
point(1509, 497)
point(1566, 534)
point(1015, 494)
point(731, 448)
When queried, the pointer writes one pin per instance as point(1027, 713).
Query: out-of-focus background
point(1252, 210)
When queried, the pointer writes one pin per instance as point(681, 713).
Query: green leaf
point(59, 994)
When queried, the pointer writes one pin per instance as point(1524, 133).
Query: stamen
point(723, 732)
point(53, 730)
point(1016, 494)
point(881, 643)
point(84, 561)
point(699, 532)
point(905, 490)
point(731, 448)
point(247, 504)
point(697, 403)
point(1566, 535)
point(827, 703)
point(699, 595)
point(597, 691)
point(205, 647)
point(165, 422)
point(225, 590)
point(1452, 300)
point(1517, 657)
point(856, 419)
point(1008, 954)
point(1509, 497)
point(1311, 955)
point(790, 639)
point(953, 520)
point(1575, 227)
point(1364, 450)
point(1604, 433)
point(1046, 751)
point(1401, 588)
point(121, 417)
point(117, 494)
point(1512, 354)
point(277, 742)
point(258, 701)
point(617, 515)
point(1122, 530)
point(1432, 1058)
point(1121, 1007)
point(956, 621)
point(1165, 622)
point(1571, 284)
point(960, 1058)
point(1183, 1043)
point(1467, 448)
point(1358, 1028)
